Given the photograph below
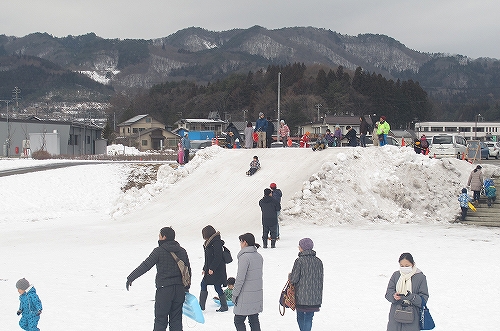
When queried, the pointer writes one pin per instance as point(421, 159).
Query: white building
point(470, 130)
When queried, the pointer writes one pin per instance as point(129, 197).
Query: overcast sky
point(468, 28)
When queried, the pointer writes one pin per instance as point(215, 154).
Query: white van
point(447, 145)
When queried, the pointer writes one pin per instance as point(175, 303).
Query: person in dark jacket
point(276, 194)
point(407, 286)
point(214, 269)
point(261, 128)
point(269, 132)
point(234, 134)
point(351, 136)
point(170, 291)
point(307, 277)
point(269, 207)
point(363, 130)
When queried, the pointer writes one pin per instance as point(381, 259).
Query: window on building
point(464, 129)
point(450, 129)
point(128, 130)
point(87, 139)
point(436, 128)
point(148, 119)
point(144, 142)
point(70, 140)
point(135, 130)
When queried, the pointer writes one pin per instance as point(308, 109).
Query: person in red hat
point(276, 194)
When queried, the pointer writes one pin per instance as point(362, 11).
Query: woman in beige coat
point(476, 182)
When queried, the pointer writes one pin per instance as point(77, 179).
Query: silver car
point(494, 148)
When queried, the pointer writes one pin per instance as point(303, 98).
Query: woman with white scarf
point(406, 287)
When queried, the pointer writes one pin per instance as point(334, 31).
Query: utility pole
point(15, 96)
point(318, 106)
point(7, 141)
point(279, 94)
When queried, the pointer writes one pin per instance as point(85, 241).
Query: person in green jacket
point(382, 131)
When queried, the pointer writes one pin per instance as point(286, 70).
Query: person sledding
point(304, 140)
point(320, 144)
point(254, 166)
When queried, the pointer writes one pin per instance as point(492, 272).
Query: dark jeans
point(476, 195)
point(269, 231)
point(186, 156)
point(218, 287)
point(253, 320)
point(362, 141)
point(168, 305)
point(269, 140)
point(464, 213)
point(491, 200)
point(305, 320)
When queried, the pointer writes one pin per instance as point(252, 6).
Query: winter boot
point(273, 243)
point(264, 243)
point(203, 299)
point(223, 303)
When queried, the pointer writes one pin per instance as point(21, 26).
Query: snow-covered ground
point(76, 235)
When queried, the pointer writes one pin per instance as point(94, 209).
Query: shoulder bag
point(426, 321)
point(287, 298)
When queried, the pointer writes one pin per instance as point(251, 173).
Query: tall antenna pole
point(7, 141)
point(279, 94)
point(15, 96)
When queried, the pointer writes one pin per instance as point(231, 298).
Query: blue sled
point(191, 308)
point(229, 303)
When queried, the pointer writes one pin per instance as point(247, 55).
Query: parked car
point(494, 148)
point(472, 150)
point(447, 145)
point(197, 145)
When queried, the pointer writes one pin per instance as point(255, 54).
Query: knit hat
point(22, 284)
point(306, 244)
point(464, 190)
point(272, 185)
point(382, 117)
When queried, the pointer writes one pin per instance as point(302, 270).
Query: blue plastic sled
point(191, 308)
point(229, 303)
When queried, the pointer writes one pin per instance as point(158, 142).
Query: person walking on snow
point(30, 306)
point(170, 291)
point(248, 292)
point(276, 194)
point(476, 183)
point(307, 277)
point(269, 207)
point(464, 200)
point(214, 269)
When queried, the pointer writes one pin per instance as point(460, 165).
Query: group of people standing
point(261, 136)
point(247, 292)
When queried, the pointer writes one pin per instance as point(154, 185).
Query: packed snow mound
point(166, 177)
point(334, 186)
point(387, 184)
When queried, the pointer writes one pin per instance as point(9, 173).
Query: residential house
point(146, 133)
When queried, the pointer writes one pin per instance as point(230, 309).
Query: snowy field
point(76, 235)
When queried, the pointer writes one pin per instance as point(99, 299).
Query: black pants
point(464, 213)
point(186, 156)
point(253, 320)
point(168, 308)
point(270, 231)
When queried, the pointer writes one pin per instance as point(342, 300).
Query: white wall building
point(470, 130)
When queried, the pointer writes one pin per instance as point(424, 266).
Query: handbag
point(226, 255)
point(426, 321)
point(403, 314)
point(287, 298)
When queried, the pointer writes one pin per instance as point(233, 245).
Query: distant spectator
point(186, 145)
point(363, 130)
point(383, 130)
point(330, 138)
point(261, 128)
point(338, 135)
point(249, 135)
point(304, 140)
point(351, 136)
point(269, 132)
point(375, 135)
point(284, 133)
point(234, 134)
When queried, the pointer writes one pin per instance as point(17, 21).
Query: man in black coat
point(269, 132)
point(269, 207)
point(170, 291)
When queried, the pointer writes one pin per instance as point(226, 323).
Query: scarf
point(207, 242)
point(404, 282)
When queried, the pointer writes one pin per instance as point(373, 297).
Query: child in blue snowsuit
point(30, 306)
point(491, 194)
point(464, 200)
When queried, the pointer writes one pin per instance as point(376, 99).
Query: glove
point(19, 312)
point(38, 313)
point(129, 283)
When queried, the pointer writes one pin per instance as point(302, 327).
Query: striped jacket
point(307, 276)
